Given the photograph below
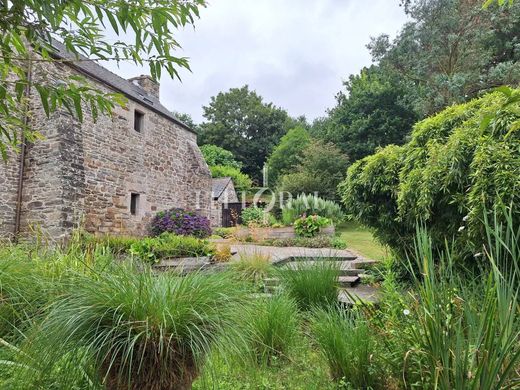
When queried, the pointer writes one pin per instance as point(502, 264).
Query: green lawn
point(361, 240)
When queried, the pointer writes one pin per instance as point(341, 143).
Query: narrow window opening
point(134, 204)
point(138, 121)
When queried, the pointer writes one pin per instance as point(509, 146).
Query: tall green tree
point(145, 31)
point(239, 121)
point(372, 112)
point(287, 154)
point(452, 50)
point(321, 168)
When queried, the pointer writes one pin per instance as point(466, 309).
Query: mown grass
point(361, 240)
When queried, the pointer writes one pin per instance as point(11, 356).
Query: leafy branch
point(145, 31)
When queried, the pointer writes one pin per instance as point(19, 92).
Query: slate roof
point(127, 88)
point(218, 186)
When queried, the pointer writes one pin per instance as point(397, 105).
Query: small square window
point(138, 121)
point(134, 204)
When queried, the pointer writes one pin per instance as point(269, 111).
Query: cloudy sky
point(294, 53)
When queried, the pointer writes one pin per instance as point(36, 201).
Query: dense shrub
point(181, 222)
point(310, 226)
point(152, 249)
point(254, 215)
point(311, 204)
point(225, 232)
point(215, 155)
point(241, 181)
point(455, 167)
point(169, 245)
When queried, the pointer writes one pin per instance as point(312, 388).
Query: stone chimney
point(147, 83)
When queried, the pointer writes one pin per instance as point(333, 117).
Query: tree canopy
point(215, 155)
point(146, 35)
point(373, 111)
point(239, 121)
point(321, 168)
point(287, 154)
point(452, 50)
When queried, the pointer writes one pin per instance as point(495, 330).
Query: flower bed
point(272, 233)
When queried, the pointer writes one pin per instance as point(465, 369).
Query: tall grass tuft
point(272, 328)
point(139, 330)
point(314, 285)
point(467, 332)
point(253, 267)
point(348, 345)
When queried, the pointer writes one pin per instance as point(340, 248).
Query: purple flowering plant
point(180, 222)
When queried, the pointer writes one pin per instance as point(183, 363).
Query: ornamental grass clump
point(311, 285)
point(180, 222)
point(272, 327)
point(139, 330)
point(348, 345)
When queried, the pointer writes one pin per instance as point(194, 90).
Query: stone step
point(343, 281)
point(363, 293)
point(348, 281)
point(363, 263)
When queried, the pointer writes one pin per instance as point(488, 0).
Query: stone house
point(222, 193)
point(110, 176)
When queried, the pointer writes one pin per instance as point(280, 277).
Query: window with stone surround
point(134, 203)
point(138, 121)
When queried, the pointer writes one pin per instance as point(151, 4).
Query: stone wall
point(84, 173)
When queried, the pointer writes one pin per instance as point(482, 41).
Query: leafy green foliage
point(287, 154)
point(241, 122)
point(309, 226)
point(371, 113)
point(311, 286)
point(28, 28)
point(152, 249)
point(311, 204)
point(215, 155)
point(320, 241)
point(254, 216)
point(456, 319)
point(186, 119)
point(347, 343)
point(455, 168)
point(272, 326)
point(241, 181)
point(321, 169)
point(439, 72)
point(170, 245)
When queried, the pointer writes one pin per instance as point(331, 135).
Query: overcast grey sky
point(294, 53)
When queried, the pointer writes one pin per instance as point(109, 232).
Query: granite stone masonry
point(110, 176)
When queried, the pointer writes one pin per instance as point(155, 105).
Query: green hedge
point(458, 163)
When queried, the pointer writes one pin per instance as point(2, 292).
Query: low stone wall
point(260, 234)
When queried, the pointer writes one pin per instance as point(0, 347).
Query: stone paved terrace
point(279, 254)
